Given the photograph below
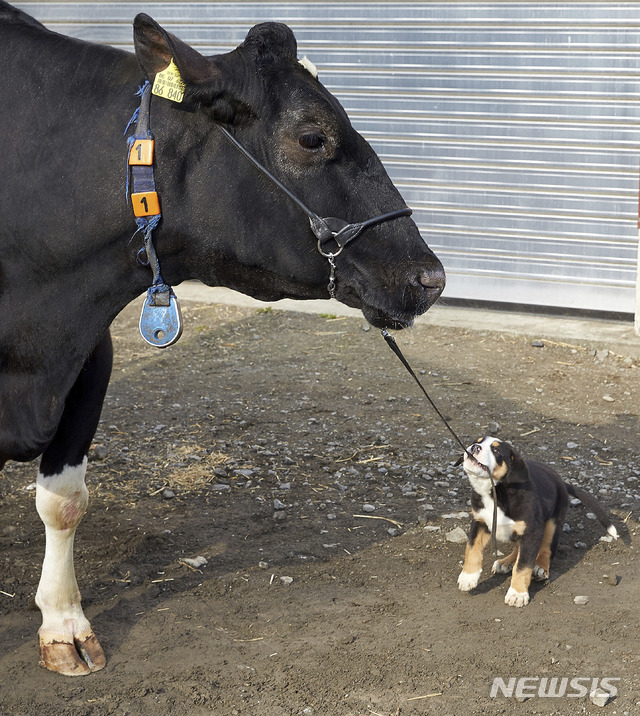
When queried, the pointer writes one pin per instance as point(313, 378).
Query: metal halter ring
point(330, 255)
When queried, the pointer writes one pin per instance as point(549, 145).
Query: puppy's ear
point(511, 461)
point(517, 462)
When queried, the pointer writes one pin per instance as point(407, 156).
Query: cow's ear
point(155, 48)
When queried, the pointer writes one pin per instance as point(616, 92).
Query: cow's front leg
point(67, 643)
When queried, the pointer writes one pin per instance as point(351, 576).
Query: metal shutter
point(510, 127)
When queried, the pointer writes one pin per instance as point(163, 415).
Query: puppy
point(532, 502)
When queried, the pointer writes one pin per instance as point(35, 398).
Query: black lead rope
point(391, 342)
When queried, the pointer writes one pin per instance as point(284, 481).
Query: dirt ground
point(296, 456)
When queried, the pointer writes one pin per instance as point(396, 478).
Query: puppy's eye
point(312, 140)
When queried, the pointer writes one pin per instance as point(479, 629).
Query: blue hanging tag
point(161, 320)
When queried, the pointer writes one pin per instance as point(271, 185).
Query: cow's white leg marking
point(67, 643)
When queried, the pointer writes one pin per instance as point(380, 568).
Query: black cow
point(68, 262)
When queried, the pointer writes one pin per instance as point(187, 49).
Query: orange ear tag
point(145, 203)
point(141, 153)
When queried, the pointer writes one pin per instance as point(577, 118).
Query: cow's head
point(225, 223)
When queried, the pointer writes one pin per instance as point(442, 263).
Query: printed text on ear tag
point(169, 84)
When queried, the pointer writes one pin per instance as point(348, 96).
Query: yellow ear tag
point(169, 84)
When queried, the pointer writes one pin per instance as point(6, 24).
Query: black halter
point(326, 229)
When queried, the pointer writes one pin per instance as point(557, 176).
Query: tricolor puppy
point(532, 502)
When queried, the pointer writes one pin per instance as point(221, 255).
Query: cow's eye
point(312, 140)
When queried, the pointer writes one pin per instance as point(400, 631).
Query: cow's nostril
point(433, 283)
point(432, 280)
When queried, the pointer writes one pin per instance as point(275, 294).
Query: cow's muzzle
point(417, 287)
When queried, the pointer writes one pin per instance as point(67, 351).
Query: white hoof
point(540, 574)
point(468, 581)
point(501, 568)
point(516, 599)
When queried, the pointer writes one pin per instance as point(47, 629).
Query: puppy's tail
point(588, 500)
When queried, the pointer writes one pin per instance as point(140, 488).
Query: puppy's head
point(490, 457)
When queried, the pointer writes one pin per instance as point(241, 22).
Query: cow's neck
point(60, 291)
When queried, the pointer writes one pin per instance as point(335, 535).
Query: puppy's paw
point(540, 574)
point(516, 599)
point(499, 568)
point(468, 580)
